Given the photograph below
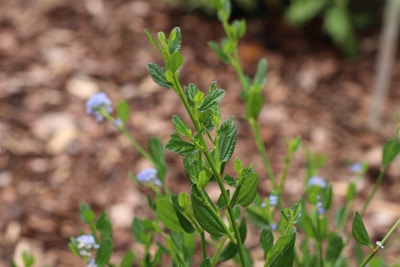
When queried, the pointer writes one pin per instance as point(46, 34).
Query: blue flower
point(317, 181)
point(147, 176)
point(91, 263)
point(97, 102)
point(86, 243)
point(118, 123)
point(273, 200)
point(320, 208)
point(356, 168)
point(273, 226)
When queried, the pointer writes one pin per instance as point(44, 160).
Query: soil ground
point(54, 54)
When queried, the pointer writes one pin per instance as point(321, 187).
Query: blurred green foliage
point(340, 19)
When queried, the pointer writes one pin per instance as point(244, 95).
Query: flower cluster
point(148, 176)
point(86, 244)
point(96, 103)
point(91, 263)
point(320, 206)
point(356, 168)
point(317, 181)
point(273, 200)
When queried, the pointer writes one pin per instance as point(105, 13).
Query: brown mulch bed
point(55, 54)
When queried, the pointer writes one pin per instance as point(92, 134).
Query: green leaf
point(86, 213)
point(175, 40)
point(257, 216)
point(28, 259)
point(294, 144)
point(337, 23)
point(106, 245)
point(221, 204)
point(183, 201)
point(153, 41)
point(228, 134)
point(211, 99)
point(246, 191)
point(229, 252)
point(308, 226)
point(206, 262)
point(174, 61)
point(294, 214)
point(261, 73)
point(159, 255)
point(192, 164)
point(301, 11)
point(230, 249)
point(157, 153)
point(205, 214)
point(282, 254)
point(341, 217)
point(128, 260)
point(391, 150)
point(158, 75)
point(139, 231)
point(177, 145)
point(254, 103)
point(73, 246)
point(238, 28)
point(167, 215)
point(359, 232)
point(351, 192)
point(123, 111)
point(238, 166)
point(334, 249)
point(219, 51)
point(266, 240)
point(181, 127)
point(230, 180)
point(191, 91)
point(184, 222)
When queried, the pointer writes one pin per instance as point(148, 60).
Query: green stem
point(373, 192)
point(319, 244)
point(217, 252)
point(203, 245)
point(284, 176)
point(237, 240)
point(382, 243)
point(260, 146)
point(123, 130)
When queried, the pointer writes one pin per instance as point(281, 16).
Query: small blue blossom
point(97, 102)
point(273, 200)
point(91, 263)
point(118, 123)
point(273, 226)
point(147, 176)
point(356, 168)
point(317, 181)
point(320, 208)
point(86, 243)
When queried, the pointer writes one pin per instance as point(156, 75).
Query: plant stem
point(203, 245)
point(377, 247)
point(217, 252)
point(123, 130)
point(285, 173)
point(373, 192)
point(179, 90)
point(260, 146)
point(234, 61)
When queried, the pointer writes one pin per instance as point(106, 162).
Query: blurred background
point(54, 54)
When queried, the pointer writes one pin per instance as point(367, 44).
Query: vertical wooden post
point(385, 60)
